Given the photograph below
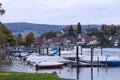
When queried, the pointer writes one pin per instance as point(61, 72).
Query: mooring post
point(59, 51)
point(47, 50)
point(39, 51)
point(101, 51)
point(98, 64)
point(81, 50)
point(77, 55)
point(91, 57)
point(106, 61)
point(106, 64)
point(91, 63)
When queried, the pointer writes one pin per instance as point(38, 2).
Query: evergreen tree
point(71, 31)
point(114, 30)
point(19, 36)
point(79, 28)
point(103, 27)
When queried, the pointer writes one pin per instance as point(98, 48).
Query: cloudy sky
point(62, 11)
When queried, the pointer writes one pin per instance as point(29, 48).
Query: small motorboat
point(48, 65)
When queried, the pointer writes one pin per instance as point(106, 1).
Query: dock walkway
point(83, 64)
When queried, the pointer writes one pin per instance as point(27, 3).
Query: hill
point(20, 27)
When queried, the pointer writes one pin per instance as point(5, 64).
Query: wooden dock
point(82, 64)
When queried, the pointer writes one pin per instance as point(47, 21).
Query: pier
point(82, 64)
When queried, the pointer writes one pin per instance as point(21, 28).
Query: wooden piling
point(91, 63)
point(98, 64)
point(91, 57)
point(81, 50)
point(59, 51)
point(39, 50)
point(47, 50)
point(97, 61)
point(77, 54)
point(101, 51)
point(106, 64)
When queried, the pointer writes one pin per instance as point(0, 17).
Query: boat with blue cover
point(110, 61)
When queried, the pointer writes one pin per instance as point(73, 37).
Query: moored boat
point(48, 65)
point(110, 61)
point(46, 62)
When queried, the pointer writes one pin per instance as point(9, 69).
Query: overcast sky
point(62, 11)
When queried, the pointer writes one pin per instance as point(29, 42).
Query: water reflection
point(98, 71)
point(91, 73)
point(79, 73)
point(4, 60)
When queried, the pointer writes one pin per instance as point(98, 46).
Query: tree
point(29, 39)
point(48, 34)
point(115, 31)
point(20, 42)
point(71, 31)
point(2, 11)
point(2, 39)
point(6, 35)
point(79, 28)
point(19, 39)
point(109, 29)
point(19, 36)
point(103, 27)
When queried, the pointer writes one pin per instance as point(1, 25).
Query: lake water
point(105, 51)
point(81, 73)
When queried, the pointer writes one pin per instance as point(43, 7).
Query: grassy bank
point(27, 76)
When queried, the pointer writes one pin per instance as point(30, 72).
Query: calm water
point(81, 73)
